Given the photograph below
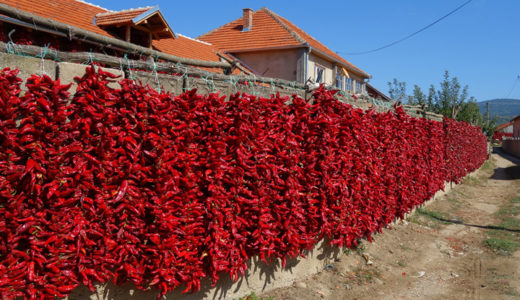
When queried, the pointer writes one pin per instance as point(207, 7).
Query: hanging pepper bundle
point(499, 136)
point(131, 185)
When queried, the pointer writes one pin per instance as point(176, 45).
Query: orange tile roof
point(75, 13)
point(502, 126)
point(268, 31)
point(119, 17)
point(81, 14)
point(184, 46)
point(265, 33)
point(317, 45)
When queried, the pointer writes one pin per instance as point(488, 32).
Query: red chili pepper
point(160, 190)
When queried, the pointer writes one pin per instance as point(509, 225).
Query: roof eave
point(145, 14)
point(140, 18)
point(502, 126)
point(379, 92)
point(263, 48)
point(349, 67)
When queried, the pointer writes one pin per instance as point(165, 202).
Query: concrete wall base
point(259, 278)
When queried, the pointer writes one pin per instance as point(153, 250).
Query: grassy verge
point(359, 249)
point(362, 276)
point(472, 180)
point(426, 217)
point(488, 165)
point(253, 296)
point(504, 242)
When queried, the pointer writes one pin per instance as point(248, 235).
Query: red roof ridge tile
point(334, 55)
point(95, 5)
point(194, 39)
point(146, 8)
point(277, 18)
point(218, 28)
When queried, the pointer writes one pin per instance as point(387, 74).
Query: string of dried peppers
point(131, 185)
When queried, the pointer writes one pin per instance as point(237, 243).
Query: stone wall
point(176, 84)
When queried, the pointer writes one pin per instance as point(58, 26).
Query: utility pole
point(487, 111)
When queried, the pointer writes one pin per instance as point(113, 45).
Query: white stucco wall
point(328, 66)
point(275, 63)
point(330, 76)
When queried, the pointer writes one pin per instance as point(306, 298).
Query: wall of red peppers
point(129, 185)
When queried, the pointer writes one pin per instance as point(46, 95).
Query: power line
point(514, 85)
point(412, 34)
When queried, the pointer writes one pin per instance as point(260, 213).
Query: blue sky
point(479, 44)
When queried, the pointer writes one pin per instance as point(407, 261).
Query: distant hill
point(503, 109)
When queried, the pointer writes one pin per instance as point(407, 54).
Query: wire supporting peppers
point(131, 185)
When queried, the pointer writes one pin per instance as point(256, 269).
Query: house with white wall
point(274, 47)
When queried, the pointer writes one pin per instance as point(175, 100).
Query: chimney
point(247, 19)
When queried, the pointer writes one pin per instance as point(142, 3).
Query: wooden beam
point(128, 33)
point(158, 28)
point(143, 28)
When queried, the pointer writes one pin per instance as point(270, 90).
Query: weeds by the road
point(359, 249)
point(503, 245)
point(488, 165)
point(253, 296)
point(508, 211)
point(426, 217)
point(472, 180)
point(435, 215)
point(501, 282)
point(503, 242)
point(511, 223)
point(362, 276)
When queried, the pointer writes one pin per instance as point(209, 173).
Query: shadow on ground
point(509, 173)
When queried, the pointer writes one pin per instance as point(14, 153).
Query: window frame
point(339, 81)
point(349, 85)
point(359, 87)
point(318, 67)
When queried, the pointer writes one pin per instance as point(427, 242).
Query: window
point(339, 81)
point(319, 74)
point(348, 84)
point(359, 87)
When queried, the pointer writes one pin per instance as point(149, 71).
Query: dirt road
point(464, 245)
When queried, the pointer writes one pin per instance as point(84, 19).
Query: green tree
point(430, 101)
point(397, 90)
point(449, 98)
point(418, 97)
point(470, 112)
